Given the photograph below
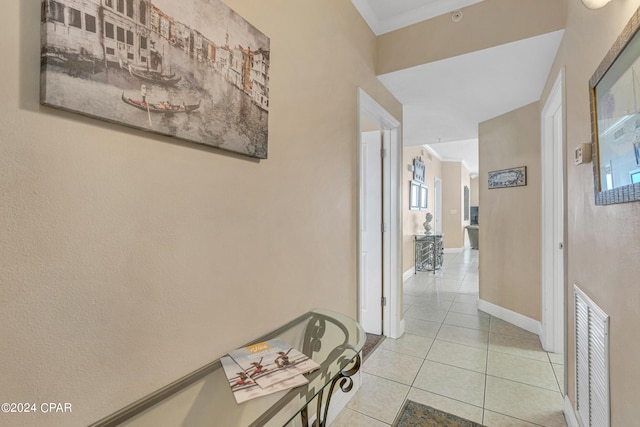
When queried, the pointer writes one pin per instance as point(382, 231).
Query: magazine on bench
point(270, 362)
point(244, 388)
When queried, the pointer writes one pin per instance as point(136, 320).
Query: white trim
point(552, 228)
point(453, 250)
point(392, 214)
point(569, 413)
point(408, 274)
point(517, 319)
point(368, 14)
point(401, 328)
point(432, 152)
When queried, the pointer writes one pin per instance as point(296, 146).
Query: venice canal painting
point(191, 69)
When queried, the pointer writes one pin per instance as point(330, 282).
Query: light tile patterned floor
point(458, 359)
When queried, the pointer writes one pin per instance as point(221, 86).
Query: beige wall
point(129, 259)
point(485, 24)
point(510, 258)
point(602, 245)
point(412, 220)
point(475, 192)
point(454, 177)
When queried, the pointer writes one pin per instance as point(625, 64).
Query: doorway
point(437, 204)
point(379, 301)
point(553, 220)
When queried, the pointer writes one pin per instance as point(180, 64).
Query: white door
point(553, 289)
point(437, 204)
point(371, 233)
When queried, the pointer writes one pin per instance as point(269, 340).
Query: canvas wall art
point(191, 69)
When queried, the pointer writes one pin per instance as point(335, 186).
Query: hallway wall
point(602, 241)
point(510, 218)
point(412, 220)
point(130, 259)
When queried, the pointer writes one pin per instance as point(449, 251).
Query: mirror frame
point(625, 193)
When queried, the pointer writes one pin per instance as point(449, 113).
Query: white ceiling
point(443, 101)
point(388, 15)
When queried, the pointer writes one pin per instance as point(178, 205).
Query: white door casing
point(392, 324)
point(553, 220)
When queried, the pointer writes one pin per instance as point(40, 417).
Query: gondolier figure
point(159, 107)
point(143, 92)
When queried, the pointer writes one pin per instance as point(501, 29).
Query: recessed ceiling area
point(384, 16)
point(444, 101)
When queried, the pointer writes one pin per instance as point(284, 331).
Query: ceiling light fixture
point(457, 16)
point(595, 4)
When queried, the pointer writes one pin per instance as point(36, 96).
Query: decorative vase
point(427, 223)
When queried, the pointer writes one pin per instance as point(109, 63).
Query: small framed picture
point(513, 177)
point(424, 193)
point(419, 170)
point(414, 196)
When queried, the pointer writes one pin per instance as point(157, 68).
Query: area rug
point(372, 342)
point(415, 414)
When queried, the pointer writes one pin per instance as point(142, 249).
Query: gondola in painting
point(192, 69)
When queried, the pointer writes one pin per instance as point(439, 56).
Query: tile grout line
point(486, 373)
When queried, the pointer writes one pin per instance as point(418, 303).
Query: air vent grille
point(592, 362)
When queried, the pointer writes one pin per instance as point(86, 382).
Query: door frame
point(392, 323)
point(553, 205)
point(437, 203)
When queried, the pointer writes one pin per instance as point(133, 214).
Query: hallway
point(458, 359)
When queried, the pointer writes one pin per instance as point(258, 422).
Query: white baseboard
point(521, 321)
point(396, 332)
point(569, 413)
point(453, 250)
point(400, 329)
point(408, 274)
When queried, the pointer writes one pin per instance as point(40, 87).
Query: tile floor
point(458, 359)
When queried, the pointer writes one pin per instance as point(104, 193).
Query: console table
point(204, 397)
point(429, 251)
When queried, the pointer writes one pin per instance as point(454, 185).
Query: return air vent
point(592, 362)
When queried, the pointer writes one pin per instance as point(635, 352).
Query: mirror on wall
point(615, 120)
